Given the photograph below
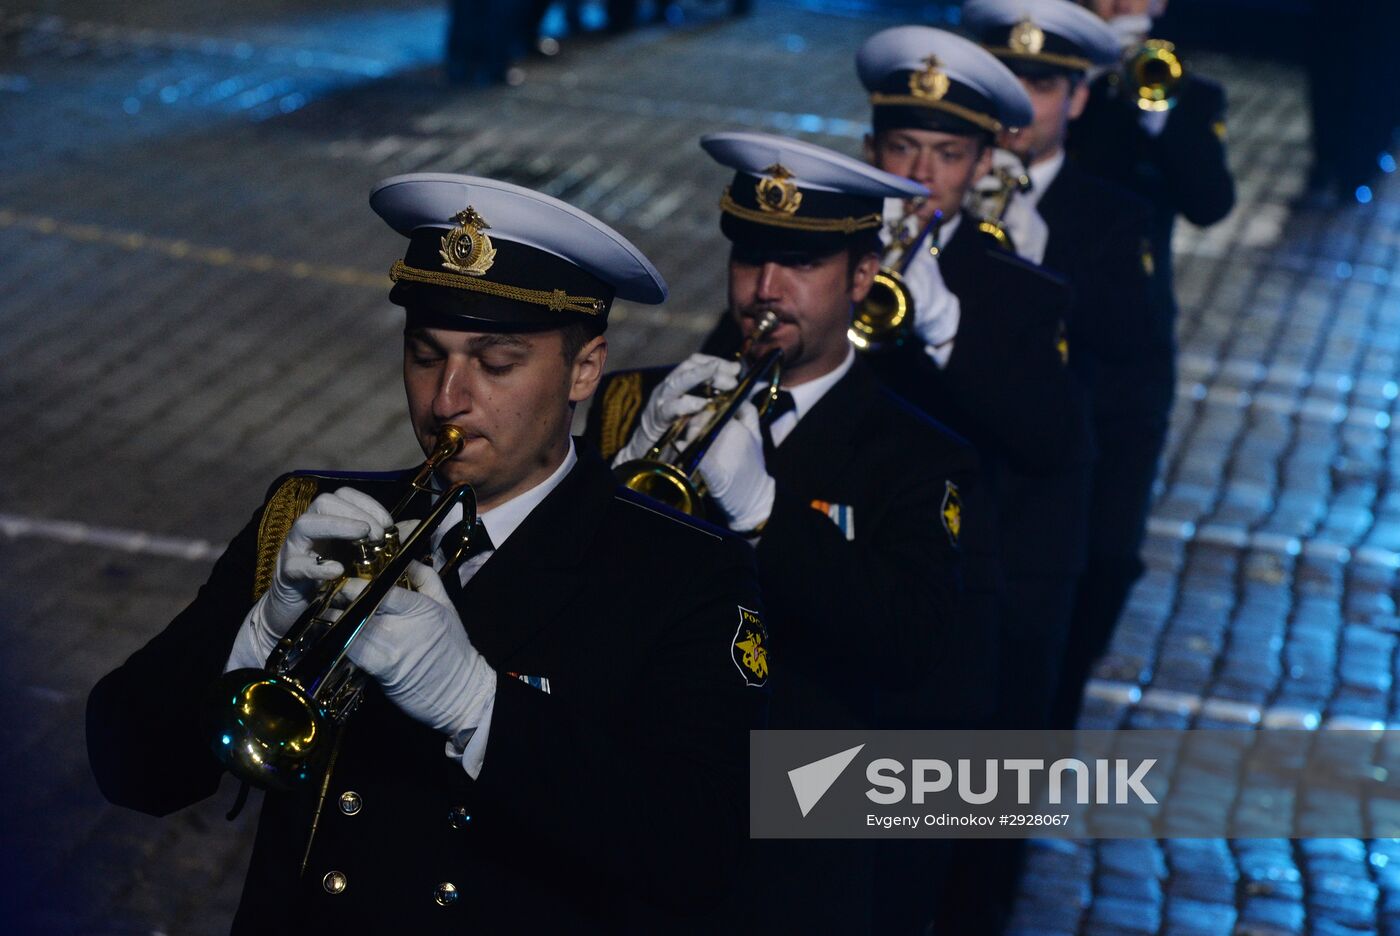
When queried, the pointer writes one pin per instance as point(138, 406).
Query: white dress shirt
point(805, 396)
point(500, 521)
point(1043, 175)
point(1022, 220)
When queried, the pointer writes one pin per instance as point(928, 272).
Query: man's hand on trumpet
point(343, 517)
point(416, 648)
point(736, 472)
point(672, 400)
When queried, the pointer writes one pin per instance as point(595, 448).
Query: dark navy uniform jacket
point(1008, 390)
point(614, 801)
point(1183, 171)
point(1100, 242)
point(861, 561)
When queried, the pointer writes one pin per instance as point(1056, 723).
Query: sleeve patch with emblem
point(750, 648)
point(952, 512)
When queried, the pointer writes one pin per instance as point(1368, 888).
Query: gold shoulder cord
point(288, 502)
point(621, 403)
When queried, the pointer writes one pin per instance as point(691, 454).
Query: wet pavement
point(194, 301)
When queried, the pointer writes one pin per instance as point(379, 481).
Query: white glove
point(1154, 122)
point(1131, 28)
point(416, 648)
point(346, 515)
point(1023, 223)
point(1002, 158)
point(669, 401)
point(1027, 229)
point(735, 472)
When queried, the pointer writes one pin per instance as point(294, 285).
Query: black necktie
point(782, 403)
point(478, 541)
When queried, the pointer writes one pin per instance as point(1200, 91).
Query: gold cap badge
point(930, 83)
point(466, 248)
point(777, 192)
point(1026, 37)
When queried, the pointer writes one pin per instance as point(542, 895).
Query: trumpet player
point(1172, 154)
point(990, 357)
point(858, 504)
point(986, 356)
point(992, 360)
point(1097, 238)
point(549, 720)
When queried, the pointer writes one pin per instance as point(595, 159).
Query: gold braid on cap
point(555, 299)
point(990, 124)
point(1049, 58)
point(728, 205)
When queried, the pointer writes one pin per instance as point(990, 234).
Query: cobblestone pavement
point(194, 301)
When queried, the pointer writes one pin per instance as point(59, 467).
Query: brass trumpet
point(272, 726)
point(886, 313)
point(670, 473)
point(994, 202)
point(1154, 72)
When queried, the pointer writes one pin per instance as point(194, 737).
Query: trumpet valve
point(366, 559)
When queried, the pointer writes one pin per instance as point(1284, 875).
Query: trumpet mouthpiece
point(450, 440)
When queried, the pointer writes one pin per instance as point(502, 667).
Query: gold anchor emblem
point(466, 248)
point(777, 192)
point(930, 83)
point(1026, 37)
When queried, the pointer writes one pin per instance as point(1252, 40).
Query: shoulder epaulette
point(628, 496)
point(288, 502)
point(622, 402)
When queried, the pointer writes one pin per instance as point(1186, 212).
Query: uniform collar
point(1043, 175)
point(805, 395)
point(822, 444)
point(950, 228)
point(503, 519)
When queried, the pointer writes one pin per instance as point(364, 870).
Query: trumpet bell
point(884, 314)
point(1156, 72)
point(266, 730)
point(272, 726)
point(663, 482)
point(997, 232)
